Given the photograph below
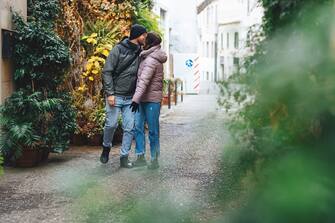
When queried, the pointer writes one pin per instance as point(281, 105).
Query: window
point(227, 40)
point(212, 49)
point(207, 49)
point(236, 40)
point(236, 64)
point(236, 61)
point(248, 7)
point(222, 41)
point(204, 49)
point(222, 71)
point(207, 76)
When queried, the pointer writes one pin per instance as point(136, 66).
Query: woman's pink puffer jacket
point(150, 76)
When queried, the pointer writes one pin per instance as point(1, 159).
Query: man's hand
point(111, 100)
point(134, 107)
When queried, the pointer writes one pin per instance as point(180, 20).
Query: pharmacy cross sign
point(189, 63)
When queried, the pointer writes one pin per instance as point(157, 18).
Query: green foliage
point(62, 125)
point(1, 163)
point(143, 3)
point(283, 135)
point(43, 13)
point(145, 17)
point(282, 13)
point(24, 121)
point(39, 114)
point(39, 55)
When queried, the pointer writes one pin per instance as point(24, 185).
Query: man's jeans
point(149, 112)
point(128, 118)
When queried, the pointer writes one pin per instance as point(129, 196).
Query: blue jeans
point(149, 112)
point(128, 121)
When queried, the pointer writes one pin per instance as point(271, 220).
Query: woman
point(147, 99)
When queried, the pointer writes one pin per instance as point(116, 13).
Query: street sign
point(189, 63)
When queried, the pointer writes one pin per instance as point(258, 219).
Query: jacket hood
point(155, 52)
point(126, 43)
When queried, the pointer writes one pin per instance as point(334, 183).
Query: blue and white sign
point(184, 65)
point(189, 63)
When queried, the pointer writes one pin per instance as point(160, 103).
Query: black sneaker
point(105, 155)
point(125, 163)
point(153, 165)
point(140, 161)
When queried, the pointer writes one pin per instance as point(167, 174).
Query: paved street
point(75, 187)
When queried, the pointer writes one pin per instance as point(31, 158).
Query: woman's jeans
point(149, 112)
point(122, 104)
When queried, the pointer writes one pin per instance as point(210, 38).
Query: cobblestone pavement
point(75, 187)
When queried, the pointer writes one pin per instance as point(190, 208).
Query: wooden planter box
point(29, 158)
point(78, 140)
point(95, 140)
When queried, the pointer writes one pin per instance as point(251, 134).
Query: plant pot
point(78, 140)
point(29, 158)
point(95, 140)
point(118, 135)
point(165, 100)
point(45, 155)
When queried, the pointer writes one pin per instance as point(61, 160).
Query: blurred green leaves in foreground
point(280, 164)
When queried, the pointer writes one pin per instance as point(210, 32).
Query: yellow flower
point(105, 53)
point(89, 66)
point(91, 78)
point(93, 35)
point(92, 40)
point(95, 71)
point(91, 60)
point(82, 88)
point(97, 65)
point(85, 74)
point(89, 40)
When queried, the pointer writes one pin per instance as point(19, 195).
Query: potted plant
point(165, 99)
point(23, 120)
point(38, 117)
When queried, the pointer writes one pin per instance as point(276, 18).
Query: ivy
point(39, 114)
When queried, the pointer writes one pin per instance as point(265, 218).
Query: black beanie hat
point(136, 31)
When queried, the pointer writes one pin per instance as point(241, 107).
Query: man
point(119, 79)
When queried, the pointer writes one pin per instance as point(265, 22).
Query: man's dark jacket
point(116, 81)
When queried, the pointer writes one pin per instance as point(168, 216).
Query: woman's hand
point(134, 107)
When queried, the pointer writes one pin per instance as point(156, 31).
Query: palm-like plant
point(24, 121)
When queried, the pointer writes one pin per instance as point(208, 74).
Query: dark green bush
point(39, 114)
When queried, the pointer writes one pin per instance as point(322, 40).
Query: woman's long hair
point(153, 39)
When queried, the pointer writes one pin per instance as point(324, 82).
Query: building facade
point(161, 10)
point(207, 16)
point(223, 27)
point(6, 68)
point(236, 19)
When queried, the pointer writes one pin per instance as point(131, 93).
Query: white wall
point(163, 12)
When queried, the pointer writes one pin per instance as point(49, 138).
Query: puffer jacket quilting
point(149, 86)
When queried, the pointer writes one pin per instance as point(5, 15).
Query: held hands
point(134, 107)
